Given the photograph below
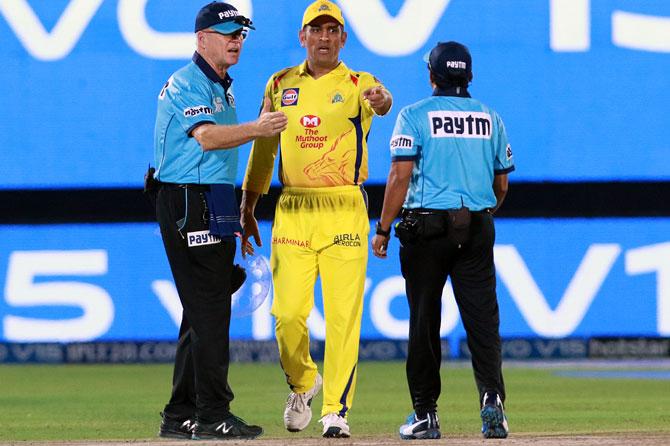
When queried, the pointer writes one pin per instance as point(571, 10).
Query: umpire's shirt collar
point(210, 73)
point(452, 91)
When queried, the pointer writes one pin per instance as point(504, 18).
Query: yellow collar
point(341, 69)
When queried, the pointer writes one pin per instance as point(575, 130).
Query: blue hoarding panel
point(580, 84)
point(556, 279)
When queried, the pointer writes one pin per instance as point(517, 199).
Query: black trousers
point(202, 275)
point(426, 264)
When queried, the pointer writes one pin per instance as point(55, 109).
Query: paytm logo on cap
point(228, 14)
point(456, 64)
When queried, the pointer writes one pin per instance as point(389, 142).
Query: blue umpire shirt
point(457, 144)
point(193, 96)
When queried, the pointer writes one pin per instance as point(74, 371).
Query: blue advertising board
point(556, 279)
point(582, 85)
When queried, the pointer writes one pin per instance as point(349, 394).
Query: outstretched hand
point(377, 97)
point(270, 123)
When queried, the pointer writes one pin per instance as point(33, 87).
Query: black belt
point(424, 211)
point(194, 187)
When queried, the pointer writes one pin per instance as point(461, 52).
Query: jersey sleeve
point(263, 153)
point(406, 138)
point(192, 102)
point(504, 160)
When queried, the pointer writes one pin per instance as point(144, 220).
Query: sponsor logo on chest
point(456, 124)
point(311, 138)
point(290, 97)
point(201, 238)
point(218, 104)
point(310, 121)
point(231, 99)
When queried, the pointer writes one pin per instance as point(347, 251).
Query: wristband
point(380, 231)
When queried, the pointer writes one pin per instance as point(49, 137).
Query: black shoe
point(237, 278)
point(173, 428)
point(494, 421)
point(231, 428)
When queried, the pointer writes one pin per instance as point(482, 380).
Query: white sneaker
point(335, 426)
point(298, 412)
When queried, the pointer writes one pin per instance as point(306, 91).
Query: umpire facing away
point(195, 147)
point(450, 160)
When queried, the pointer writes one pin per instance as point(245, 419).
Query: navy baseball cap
point(449, 59)
point(222, 18)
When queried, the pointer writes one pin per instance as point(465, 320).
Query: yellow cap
point(320, 8)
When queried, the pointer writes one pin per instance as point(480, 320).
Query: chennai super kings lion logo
point(331, 168)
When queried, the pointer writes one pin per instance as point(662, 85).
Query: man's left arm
point(500, 187)
point(503, 163)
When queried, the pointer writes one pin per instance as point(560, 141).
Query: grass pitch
point(121, 402)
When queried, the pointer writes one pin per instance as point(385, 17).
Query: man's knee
point(290, 318)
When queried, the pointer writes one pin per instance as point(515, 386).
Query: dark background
point(529, 200)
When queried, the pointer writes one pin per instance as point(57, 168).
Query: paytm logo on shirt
point(198, 110)
point(402, 142)
point(453, 124)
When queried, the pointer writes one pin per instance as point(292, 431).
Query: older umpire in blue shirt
point(450, 158)
point(195, 147)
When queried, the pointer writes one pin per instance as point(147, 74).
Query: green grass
point(123, 401)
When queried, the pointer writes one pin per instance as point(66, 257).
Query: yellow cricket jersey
point(328, 122)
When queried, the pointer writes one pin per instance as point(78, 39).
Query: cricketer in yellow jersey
point(321, 223)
